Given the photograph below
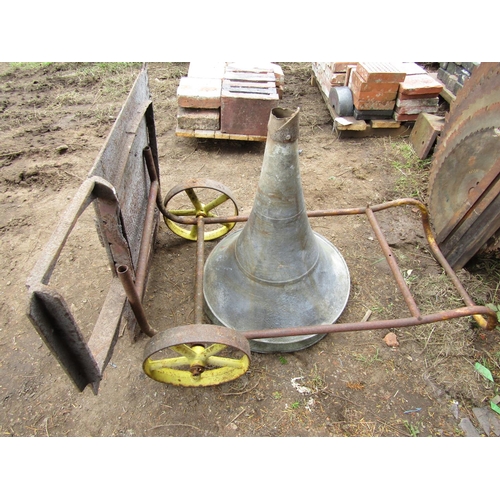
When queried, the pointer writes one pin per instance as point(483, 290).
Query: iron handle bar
point(376, 324)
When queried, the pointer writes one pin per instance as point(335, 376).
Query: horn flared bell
point(276, 272)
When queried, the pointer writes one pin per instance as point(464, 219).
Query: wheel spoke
point(215, 203)
point(226, 362)
point(194, 199)
point(185, 351)
point(212, 350)
point(168, 363)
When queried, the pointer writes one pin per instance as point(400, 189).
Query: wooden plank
point(448, 96)
point(425, 132)
point(349, 123)
point(217, 134)
point(385, 124)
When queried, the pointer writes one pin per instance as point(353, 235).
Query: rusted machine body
point(124, 188)
point(464, 193)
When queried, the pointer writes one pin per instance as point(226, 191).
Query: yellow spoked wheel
point(197, 356)
point(196, 198)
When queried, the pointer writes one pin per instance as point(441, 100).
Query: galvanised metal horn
point(276, 272)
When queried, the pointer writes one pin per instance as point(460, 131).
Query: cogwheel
point(480, 91)
point(463, 176)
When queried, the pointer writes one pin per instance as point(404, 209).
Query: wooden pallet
point(216, 134)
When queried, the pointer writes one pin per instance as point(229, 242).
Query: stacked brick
point(248, 96)
point(418, 93)
point(455, 74)
point(332, 74)
point(228, 98)
point(374, 87)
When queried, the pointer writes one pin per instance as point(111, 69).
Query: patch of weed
point(283, 360)
point(413, 180)
point(368, 359)
point(413, 430)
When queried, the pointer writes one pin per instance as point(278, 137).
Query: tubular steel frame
point(416, 318)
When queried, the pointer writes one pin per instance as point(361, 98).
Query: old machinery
point(274, 285)
point(464, 185)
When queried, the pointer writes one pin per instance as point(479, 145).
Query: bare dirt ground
point(54, 120)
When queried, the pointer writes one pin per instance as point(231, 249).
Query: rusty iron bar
point(148, 229)
point(441, 259)
point(134, 299)
point(153, 176)
point(200, 260)
point(375, 325)
point(145, 249)
point(135, 290)
point(391, 260)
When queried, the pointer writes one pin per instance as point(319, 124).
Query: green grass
point(414, 172)
point(413, 430)
point(283, 360)
point(29, 65)
point(368, 359)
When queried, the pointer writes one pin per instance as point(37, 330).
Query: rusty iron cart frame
point(124, 187)
point(416, 318)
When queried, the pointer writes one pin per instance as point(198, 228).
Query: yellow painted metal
point(196, 366)
point(199, 209)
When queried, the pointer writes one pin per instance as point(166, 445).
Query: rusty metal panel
point(121, 162)
point(246, 111)
point(50, 315)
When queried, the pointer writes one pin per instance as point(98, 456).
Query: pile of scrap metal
point(464, 184)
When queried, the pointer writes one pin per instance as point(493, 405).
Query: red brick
point(370, 104)
point(415, 109)
point(359, 84)
point(203, 93)
point(405, 118)
point(420, 84)
point(235, 84)
point(405, 97)
point(265, 67)
point(323, 82)
point(337, 78)
point(380, 72)
point(376, 95)
point(341, 67)
point(249, 76)
point(198, 119)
